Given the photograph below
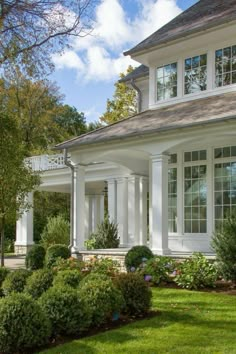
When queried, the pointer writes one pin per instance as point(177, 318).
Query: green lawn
point(189, 322)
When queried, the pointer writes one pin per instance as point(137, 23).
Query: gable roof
point(205, 14)
point(182, 115)
point(140, 71)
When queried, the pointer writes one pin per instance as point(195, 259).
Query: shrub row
point(61, 309)
point(37, 257)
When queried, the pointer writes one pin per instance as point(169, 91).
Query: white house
point(177, 156)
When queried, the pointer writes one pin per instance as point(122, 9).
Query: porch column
point(24, 229)
point(159, 241)
point(88, 216)
point(97, 210)
point(78, 209)
point(122, 210)
point(137, 210)
point(112, 199)
point(143, 211)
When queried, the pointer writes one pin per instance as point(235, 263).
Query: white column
point(79, 209)
point(133, 211)
point(160, 204)
point(96, 211)
point(143, 210)
point(137, 210)
point(122, 210)
point(112, 199)
point(87, 224)
point(24, 229)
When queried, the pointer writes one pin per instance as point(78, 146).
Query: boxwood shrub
point(54, 252)
point(102, 297)
point(23, 324)
point(39, 282)
point(67, 311)
point(135, 256)
point(70, 277)
point(15, 281)
point(35, 257)
point(136, 293)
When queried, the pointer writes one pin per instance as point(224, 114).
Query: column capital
point(140, 177)
point(159, 158)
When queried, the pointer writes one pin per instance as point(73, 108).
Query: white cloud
point(99, 57)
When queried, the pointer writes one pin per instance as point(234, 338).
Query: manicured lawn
point(189, 322)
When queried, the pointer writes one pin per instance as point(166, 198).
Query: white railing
point(46, 162)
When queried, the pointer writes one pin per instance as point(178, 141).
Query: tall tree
point(31, 31)
point(123, 104)
point(16, 179)
point(34, 105)
point(71, 121)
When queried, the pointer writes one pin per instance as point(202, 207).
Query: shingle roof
point(182, 115)
point(205, 14)
point(140, 71)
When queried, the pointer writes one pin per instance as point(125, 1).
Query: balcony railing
point(46, 162)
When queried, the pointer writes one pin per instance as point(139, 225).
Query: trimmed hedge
point(67, 311)
point(3, 274)
point(136, 293)
point(15, 281)
point(35, 257)
point(70, 277)
point(23, 324)
point(54, 252)
point(135, 256)
point(39, 282)
point(102, 297)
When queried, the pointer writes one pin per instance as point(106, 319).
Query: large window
point(225, 61)
point(195, 192)
point(172, 195)
point(225, 183)
point(167, 81)
point(195, 74)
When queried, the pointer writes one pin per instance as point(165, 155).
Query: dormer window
point(195, 74)
point(167, 81)
point(225, 60)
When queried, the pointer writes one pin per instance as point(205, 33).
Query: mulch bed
point(123, 320)
point(221, 286)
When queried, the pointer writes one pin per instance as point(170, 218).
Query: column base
point(162, 251)
point(22, 249)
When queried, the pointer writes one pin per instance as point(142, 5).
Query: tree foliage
point(31, 31)
point(16, 179)
point(123, 104)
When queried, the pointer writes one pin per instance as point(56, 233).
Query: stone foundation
point(22, 249)
point(117, 255)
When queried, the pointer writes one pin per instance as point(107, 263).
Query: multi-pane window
point(225, 66)
point(172, 199)
point(167, 81)
point(172, 194)
point(225, 183)
point(195, 193)
point(195, 74)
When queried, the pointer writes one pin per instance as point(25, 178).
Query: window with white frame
point(195, 74)
point(166, 81)
point(225, 66)
point(224, 183)
point(195, 192)
point(172, 194)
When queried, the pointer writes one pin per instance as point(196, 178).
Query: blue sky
point(86, 73)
